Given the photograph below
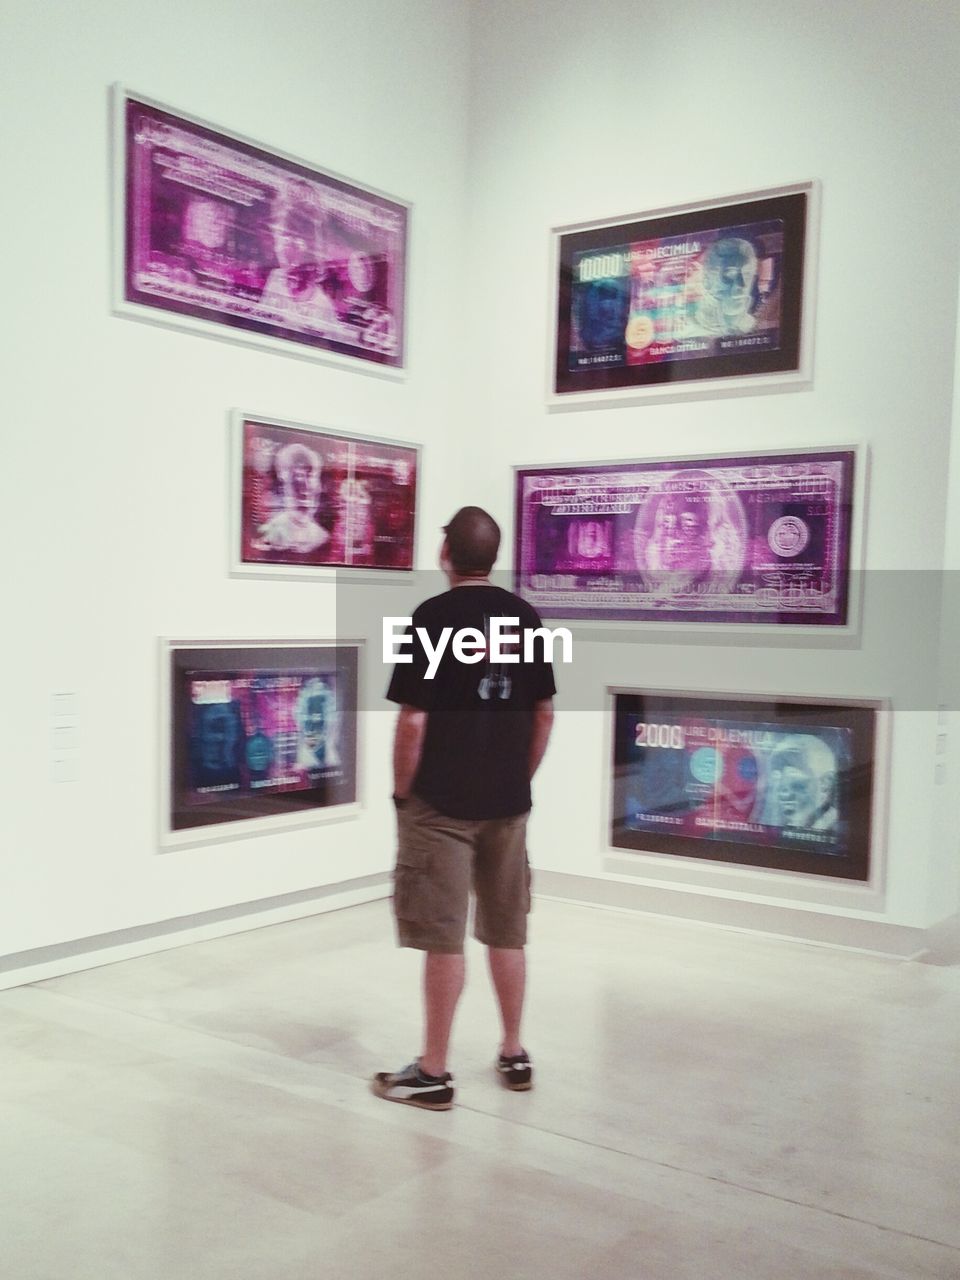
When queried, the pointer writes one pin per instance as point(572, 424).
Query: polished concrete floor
point(708, 1104)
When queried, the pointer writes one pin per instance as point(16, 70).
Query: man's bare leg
point(443, 977)
point(508, 972)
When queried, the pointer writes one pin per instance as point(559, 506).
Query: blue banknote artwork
point(714, 778)
point(682, 295)
point(266, 732)
point(779, 783)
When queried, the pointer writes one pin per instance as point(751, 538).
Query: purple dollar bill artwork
point(222, 231)
point(762, 539)
point(321, 499)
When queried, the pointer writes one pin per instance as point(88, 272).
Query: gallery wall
point(497, 122)
point(583, 113)
point(116, 439)
point(946, 835)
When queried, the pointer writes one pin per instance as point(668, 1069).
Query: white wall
point(116, 431)
point(584, 112)
point(945, 889)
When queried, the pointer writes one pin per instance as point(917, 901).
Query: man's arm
point(542, 724)
point(407, 748)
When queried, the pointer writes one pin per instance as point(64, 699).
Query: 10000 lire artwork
point(220, 231)
point(758, 539)
point(683, 295)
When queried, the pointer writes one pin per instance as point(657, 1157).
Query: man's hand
point(407, 749)
point(542, 725)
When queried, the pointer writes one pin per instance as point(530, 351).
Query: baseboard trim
point(943, 941)
point(820, 927)
point(41, 963)
point(939, 945)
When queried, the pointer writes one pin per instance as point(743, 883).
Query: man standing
point(467, 743)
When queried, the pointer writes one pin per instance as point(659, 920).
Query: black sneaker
point(515, 1072)
point(415, 1088)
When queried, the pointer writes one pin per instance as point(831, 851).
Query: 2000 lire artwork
point(758, 539)
point(750, 779)
point(220, 231)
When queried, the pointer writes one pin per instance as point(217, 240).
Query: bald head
point(473, 540)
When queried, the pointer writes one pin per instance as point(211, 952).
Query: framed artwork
point(693, 300)
point(219, 235)
point(308, 500)
point(756, 538)
point(258, 735)
point(759, 781)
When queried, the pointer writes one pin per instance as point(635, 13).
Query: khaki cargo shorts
point(439, 860)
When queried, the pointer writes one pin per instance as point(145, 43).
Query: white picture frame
point(675, 376)
point(220, 802)
point(224, 290)
point(706, 630)
point(383, 458)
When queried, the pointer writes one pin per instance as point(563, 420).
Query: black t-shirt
point(475, 761)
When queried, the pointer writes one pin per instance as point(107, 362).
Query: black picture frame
point(258, 735)
point(782, 783)
point(632, 295)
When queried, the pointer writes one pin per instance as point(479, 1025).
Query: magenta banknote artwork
point(753, 539)
point(322, 499)
point(222, 231)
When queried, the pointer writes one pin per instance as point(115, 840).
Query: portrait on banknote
point(685, 298)
point(310, 498)
point(762, 538)
point(258, 732)
point(760, 781)
point(215, 230)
